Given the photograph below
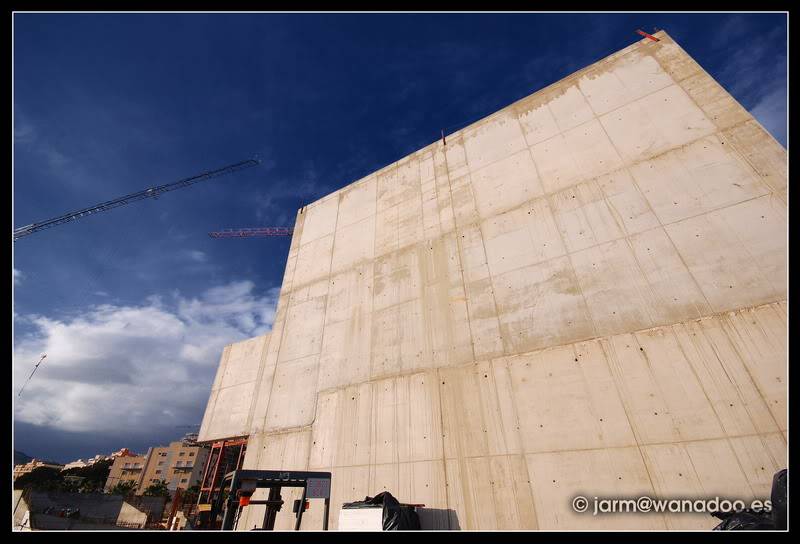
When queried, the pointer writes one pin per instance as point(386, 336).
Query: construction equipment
point(31, 376)
point(252, 232)
point(243, 483)
point(152, 192)
point(224, 457)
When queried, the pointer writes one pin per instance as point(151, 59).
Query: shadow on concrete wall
point(438, 519)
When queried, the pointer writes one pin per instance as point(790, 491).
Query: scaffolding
point(225, 456)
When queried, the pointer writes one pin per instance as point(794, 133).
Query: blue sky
point(134, 305)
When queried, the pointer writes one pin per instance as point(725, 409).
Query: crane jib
point(152, 192)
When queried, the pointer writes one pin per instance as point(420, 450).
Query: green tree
point(94, 476)
point(125, 488)
point(91, 486)
point(157, 489)
point(87, 479)
point(42, 478)
point(189, 498)
point(191, 494)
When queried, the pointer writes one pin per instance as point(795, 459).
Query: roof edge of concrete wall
point(608, 58)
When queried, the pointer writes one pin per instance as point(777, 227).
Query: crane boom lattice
point(152, 192)
point(252, 232)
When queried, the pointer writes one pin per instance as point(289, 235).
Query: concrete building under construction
point(581, 294)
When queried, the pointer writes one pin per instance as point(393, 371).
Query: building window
point(191, 454)
point(158, 472)
point(127, 465)
point(160, 463)
point(181, 454)
point(163, 454)
point(184, 480)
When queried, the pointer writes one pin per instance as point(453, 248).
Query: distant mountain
point(21, 458)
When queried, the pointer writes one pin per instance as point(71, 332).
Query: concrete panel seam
point(259, 376)
point(648, 444)
point(458, 246)
point(707, 75)
point(297, 232)
point(548, 199)
point(563, 241)
point(511, 356)
point(372, 291)
point(724, 370)
point(748, 116)
point(652, 211)
point(518, 431)
point(628, 418)
point(726, 328)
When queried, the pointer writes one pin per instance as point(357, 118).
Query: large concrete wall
point(582, 293)
point(229, 409)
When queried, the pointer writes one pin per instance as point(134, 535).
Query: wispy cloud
point(117, 367)
point(24, 131)
point(196, 255)
point(770, 111)
point(271, 204)
point(754, 71)
point(18, 277)
point(729, 31)
point(28, 138)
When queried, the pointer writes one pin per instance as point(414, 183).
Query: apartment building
point(80, 463)
point(19, 470)
point(127, 468)
point(180, 465)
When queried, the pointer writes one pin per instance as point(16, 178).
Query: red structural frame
point(216, 467)
point(646, 35)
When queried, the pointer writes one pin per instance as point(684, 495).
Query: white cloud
point(134, 367)
point(730, 31)
point(754, 72)
point(24, 131)
point(26, 134)
point(196, 255)
point(270, 205)
point(771, 112)
point(18, 277)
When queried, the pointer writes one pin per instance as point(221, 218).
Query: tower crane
point(152, 192)
point(252, 232)
point(35, 368)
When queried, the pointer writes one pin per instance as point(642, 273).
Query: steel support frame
point(274, 480)
point(212, 486)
